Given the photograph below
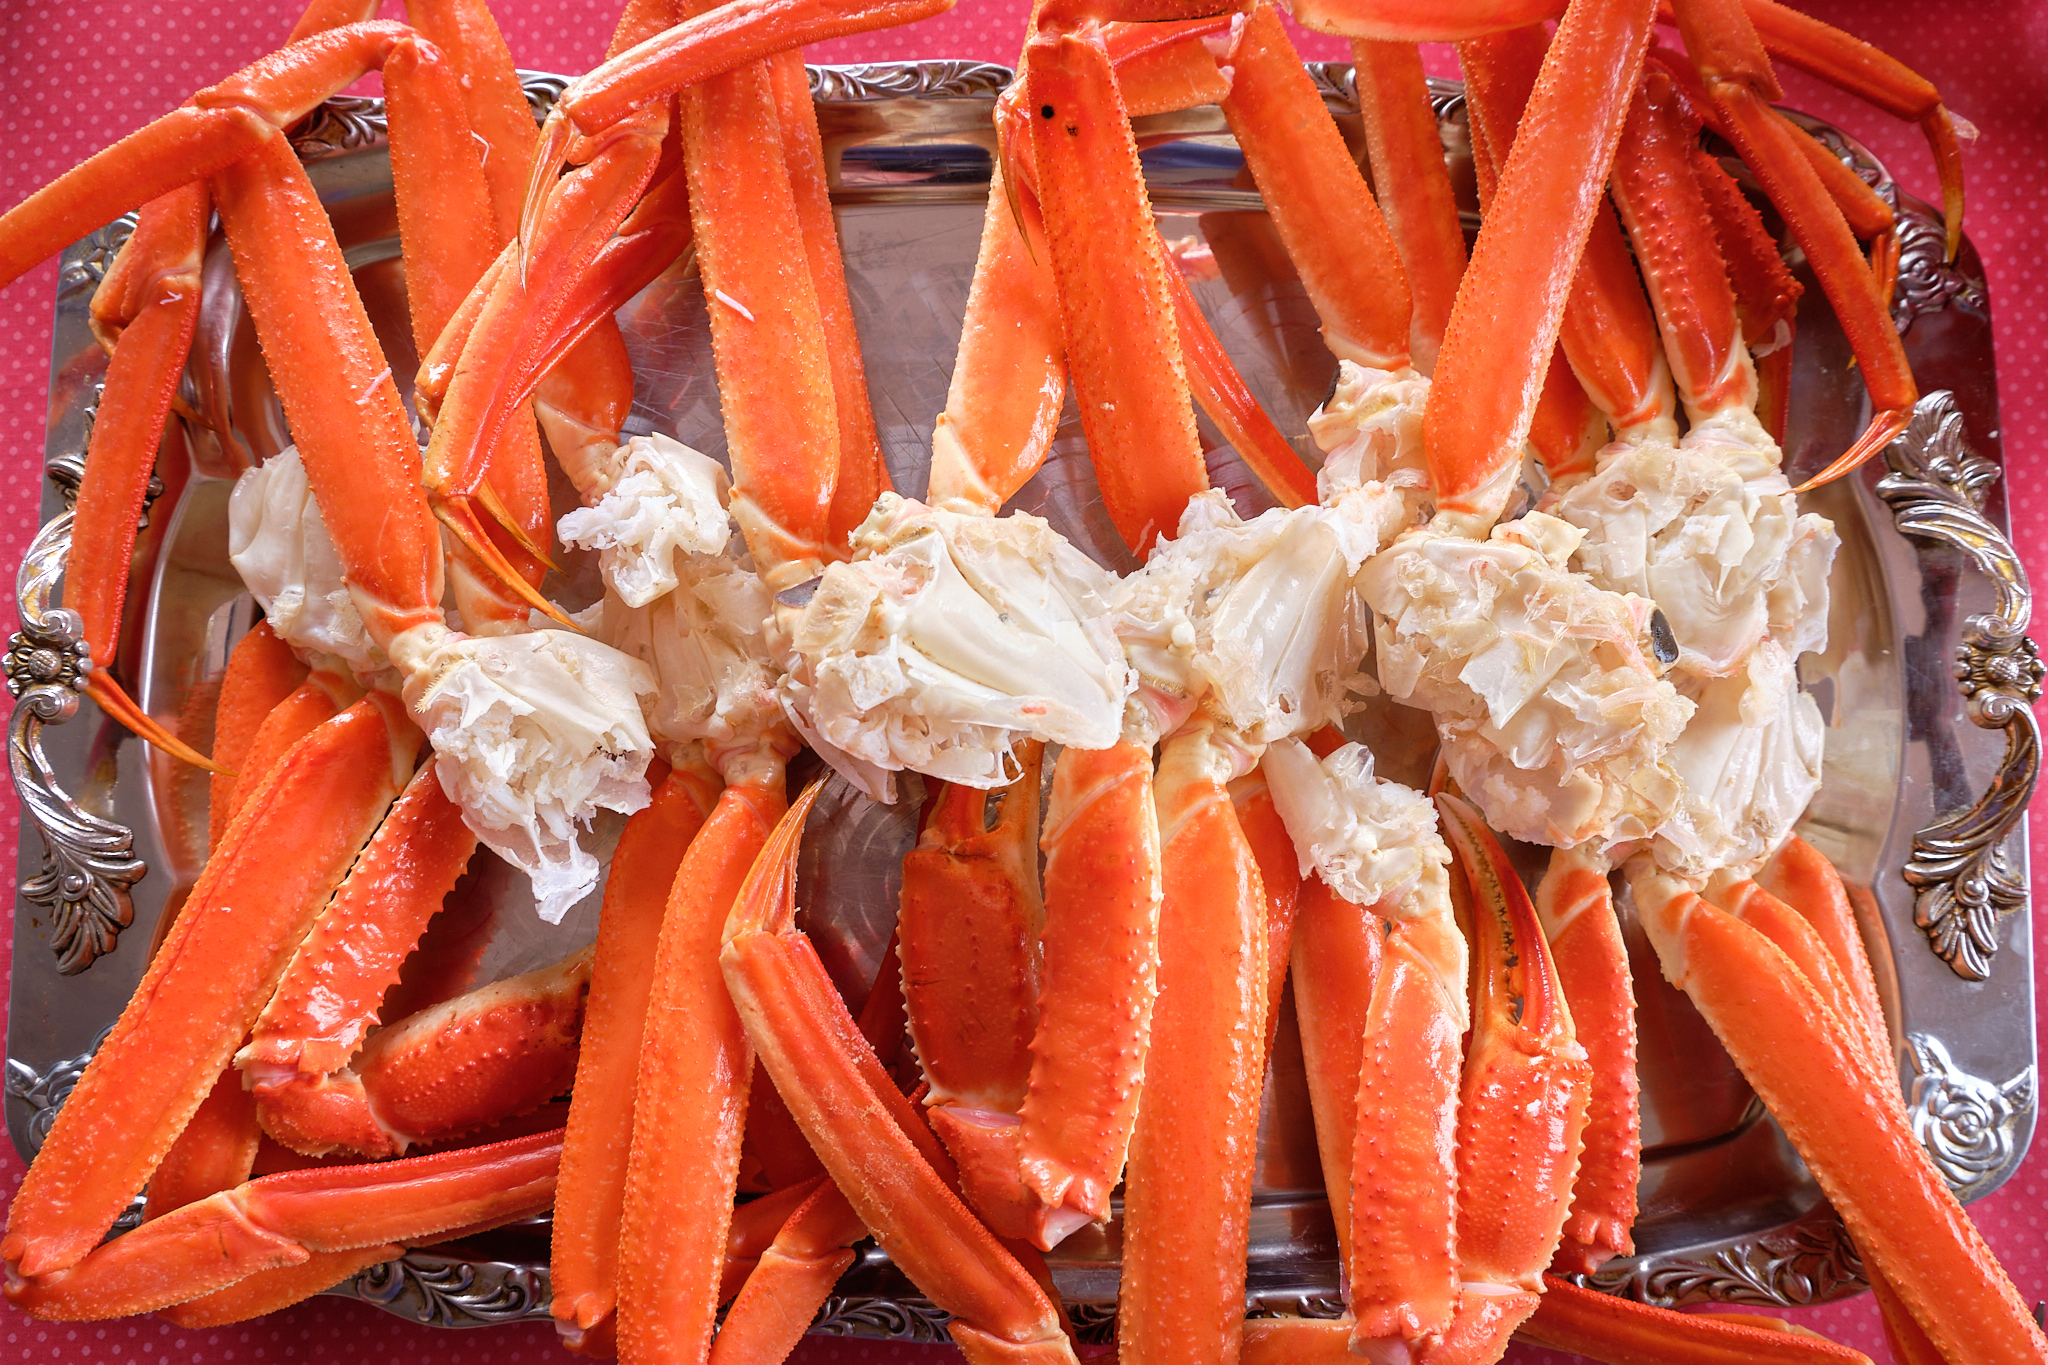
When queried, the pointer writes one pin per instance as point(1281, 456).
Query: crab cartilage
point(247, 913)
point(861, 1126)
point(282, 1221)
point(1853, 1136)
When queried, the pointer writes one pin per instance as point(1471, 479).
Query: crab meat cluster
point(1256, 620)
point(681, 596)
point(1711, 530)
point(278, 543)
point(948, 638)
point(533, 733)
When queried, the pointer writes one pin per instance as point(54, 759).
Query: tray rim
point(1966, 887)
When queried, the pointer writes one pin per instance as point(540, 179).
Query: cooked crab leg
point(1854, 1138)
point(1622, 1332)
point(156, 303)
point(859, 1124)
point(262, 671)
point(689, 1102)
point(207, 982)
point(1187, 1192)
point(861, 476)
point(282, 1221)
point(1739, 82)
point(1413, 185)
point(585, 1249)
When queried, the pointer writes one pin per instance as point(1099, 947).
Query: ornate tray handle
point(1964, 884)
point(88, 863)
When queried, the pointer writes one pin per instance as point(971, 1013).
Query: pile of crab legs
point(955, 642)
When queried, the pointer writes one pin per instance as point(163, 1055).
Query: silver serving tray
point(1932, 750)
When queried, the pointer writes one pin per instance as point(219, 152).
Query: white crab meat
point(1256, 619)
point(533, 734)
point(1710, 531)
point(1370, 431)
point(1749, 763)
point(1372, 841)
point(1553, 719)
point(278, 543)
point(946, 639)
point(665, 501)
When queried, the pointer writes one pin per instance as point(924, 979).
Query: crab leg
point(1576, 906)
point(1335, 967)
point(262, 672)
point(320, 698)
point(1607, 331)
point(848, 1109)
point(1848, 63)
point(1740, 84)
point(1800, 877)
point(1523, 1111)
point(232, 942)
point(281, 1221)
point(968, 935)
point(1854, 1138)
point(1114, 299)
point(1622, 1332)
point(156, 299)
point(689, 1103)
point(713, 41)
point(1511, 306)
point(862, 478)
point(1187, 1192)
point(596, 1145)
point(789, 1285)
point(1413, 184)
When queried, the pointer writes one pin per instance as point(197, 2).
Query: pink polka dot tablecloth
point(76, 77)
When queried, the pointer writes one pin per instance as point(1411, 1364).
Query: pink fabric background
point(75, 77)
